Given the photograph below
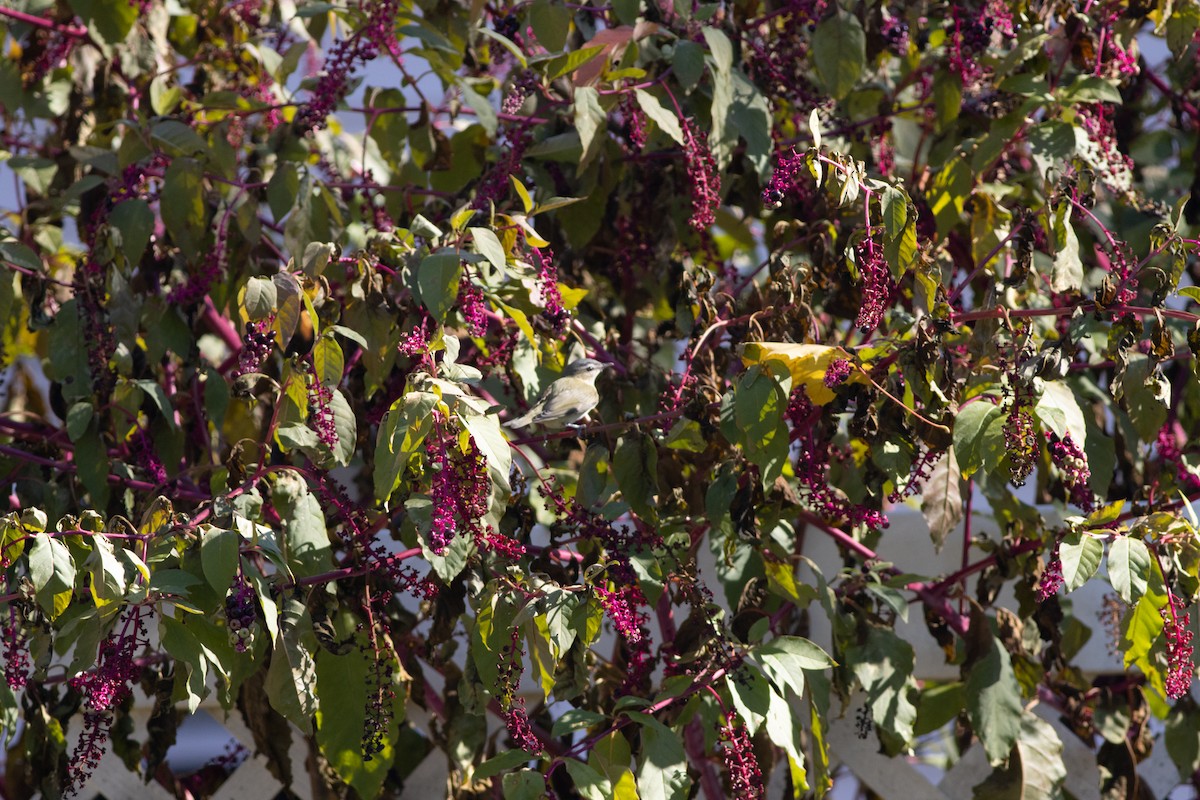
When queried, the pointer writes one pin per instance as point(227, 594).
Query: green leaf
point(893, 205)
point(662, 763)
point(1080, 554)
point(52, 570)
point(488, 245)
point(291, 683)
point(839, 52)
point(1058, 410)
point(501, 763)
point(112, 19)
point(1128, 567)
point(590, 783)
point(1067, 275)
point(687, 62)
point(1182, 737)
point(590, 121)
point(182, 207)
point(177, 139)
point(666, 119)
point(883, 664)
point(437, 280)
point(1146, 394)
point(1143, 624)
point(785, 659)
point(722, 139)
point(970, 440)
point(551, 22)
point(993, 695)
point(219, 557)
point(328, 361)
point(489, 438)
point(635, 464)
point(941, 499)
point(570, 61)
point(344, 683)
point(16, 253)
point(345, 422)
point(402, 431)
point(524, 785)
point(305, 539)
point(135, 221)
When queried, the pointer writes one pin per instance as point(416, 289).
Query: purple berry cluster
point(1052, 577)
point(1077, 477)
point(1021, 443)
point(241, 613)
point(256, 346)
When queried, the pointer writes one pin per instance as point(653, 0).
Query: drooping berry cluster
point(320, 413)
point(470, 305)
point(1069, 458)
point(141, 449)
point(548, 295)
point(241, 613)
point(516, 720)
point(1052, 577)
point(459, 485)
point(789, 166)
point(103, 687)
point(922, 468)
point(495, 185)
point(376, 34)
point(635, 123)
point(1021, 442)
point(702, 176)
point(524, 82)
point(415, 341)
point(812, 469)
point(1178, 636)
point(877, 286)
point(379, 708)
point(16, 649)
point(745, 776)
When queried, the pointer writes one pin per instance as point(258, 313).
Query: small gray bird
point(567, 399)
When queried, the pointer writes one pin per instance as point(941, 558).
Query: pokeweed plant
point(273, 269)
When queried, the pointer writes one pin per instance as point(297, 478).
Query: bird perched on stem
point(567, 399)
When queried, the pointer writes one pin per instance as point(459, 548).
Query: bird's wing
point(559, 407)
point(534, 410)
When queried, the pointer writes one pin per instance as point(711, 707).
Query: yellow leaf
point(571, 296)
point(526, 200)
point(807, 363)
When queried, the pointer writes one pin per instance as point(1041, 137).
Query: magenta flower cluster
point(702, 175)
point(472, 308)
point(839, 369)
point(548, 292)
point(1052, 577)
point(459, 485)
point(1178, 636)
point(16, 650)
point(812, 469)
point(876, 278)
point(745, 776)
point(320, 414)
point(377, 33)
point(103, 687)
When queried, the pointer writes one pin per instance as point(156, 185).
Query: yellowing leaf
point(808, 364)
